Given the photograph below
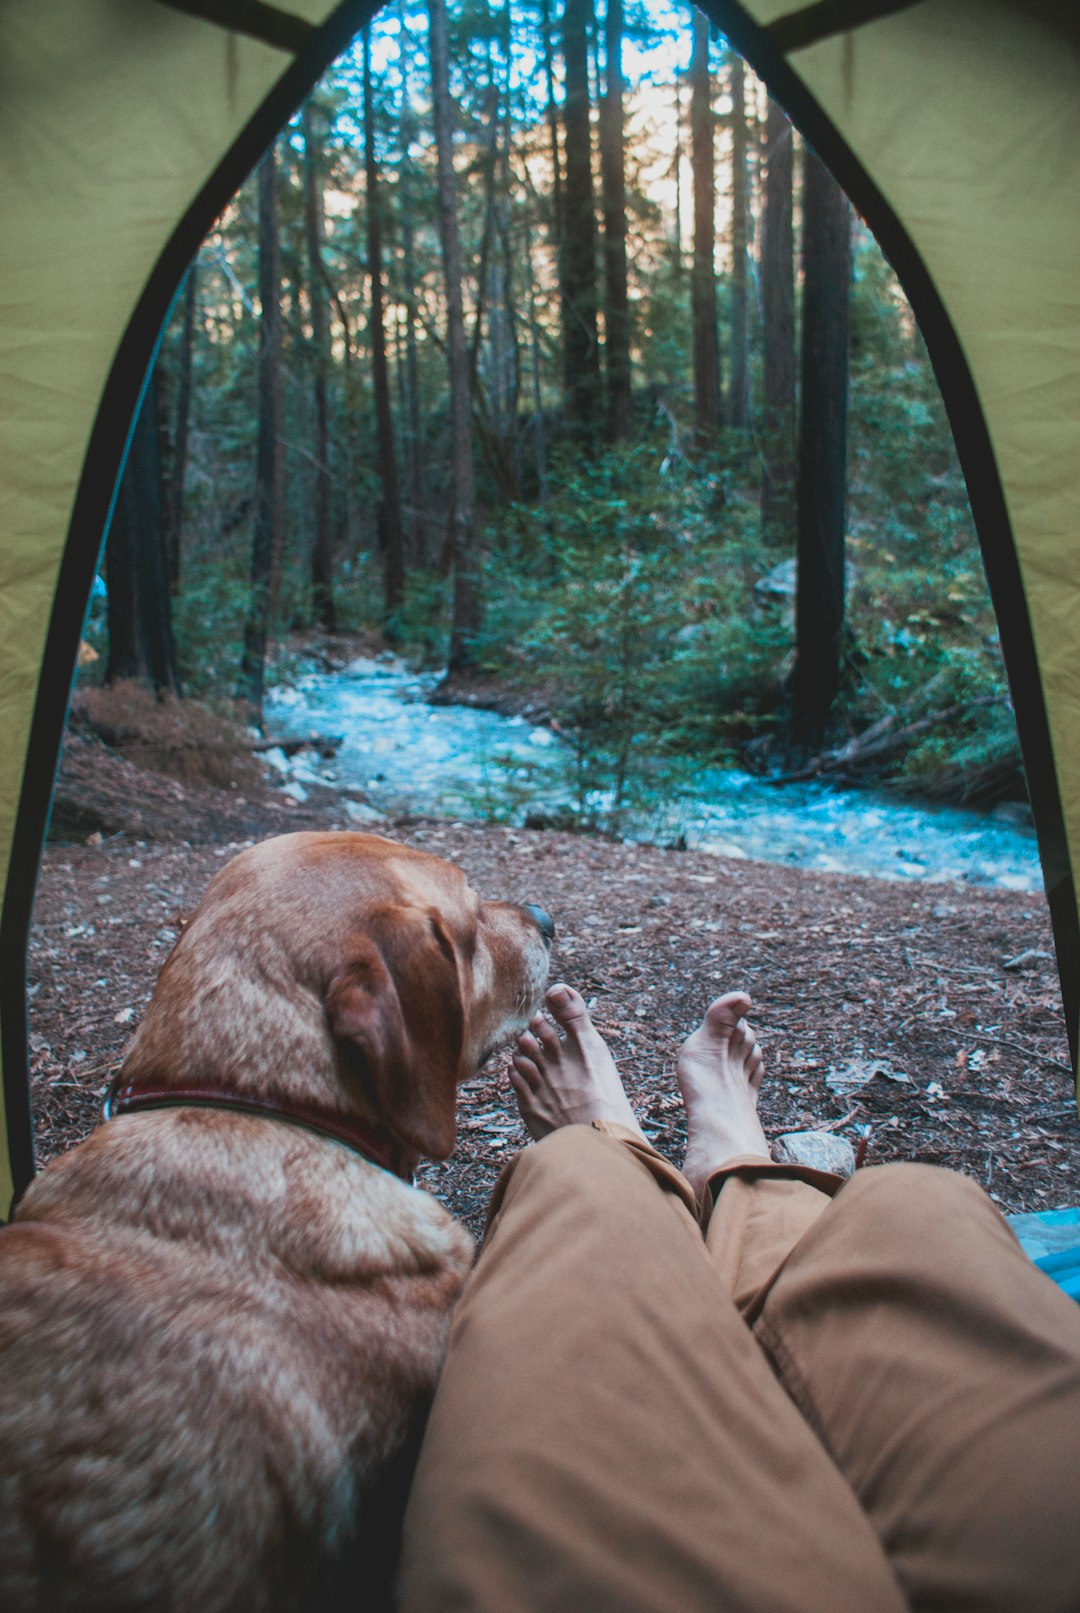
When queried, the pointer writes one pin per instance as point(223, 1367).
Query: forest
point(540, 348)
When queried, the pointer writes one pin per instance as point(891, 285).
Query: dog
point(222, 1316)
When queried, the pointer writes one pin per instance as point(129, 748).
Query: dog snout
point(543, 921)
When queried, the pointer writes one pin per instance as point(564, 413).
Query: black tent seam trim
point(100, 472)
point(254, 18)
point(810, 24)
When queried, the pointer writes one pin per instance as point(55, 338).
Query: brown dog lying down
point(219, 1327)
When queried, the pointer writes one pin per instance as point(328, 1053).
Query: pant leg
point(941, 1371)
point(607, 1437)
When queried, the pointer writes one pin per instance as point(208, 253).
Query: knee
point(918, 1197)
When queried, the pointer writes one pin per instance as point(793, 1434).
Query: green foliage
point(628, 600)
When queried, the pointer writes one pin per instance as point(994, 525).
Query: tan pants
point(856, 1403)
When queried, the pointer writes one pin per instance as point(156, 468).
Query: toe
point(566, 1005)
point(523, 1073)
point(528, 1045)
point(725, 1013)
point(548, 1038)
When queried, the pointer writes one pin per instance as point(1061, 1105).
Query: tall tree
point(269, 469)
point(322, 578)
point(822, 460)
point(466, 608)
point(391, 532)
point(703, 281)
point(411, 436)
point(738, 412)
point(139, 614)
point(581, 347)
point(175, 520)
point(613, 184)
point(778, 318)
point(552, 113)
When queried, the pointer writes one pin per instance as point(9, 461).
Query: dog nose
point(543, 920)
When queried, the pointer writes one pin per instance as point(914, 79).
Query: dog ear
point(397, 1008)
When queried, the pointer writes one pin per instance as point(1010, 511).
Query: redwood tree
point(269, 470)
point(391, 533)
point(703, 282)
point(466, 607)
point(613, 183)
point(139, 614)
point(322, 582)
point(581, 349)
point(822, 460)
point(778, 319)
point(739, 367)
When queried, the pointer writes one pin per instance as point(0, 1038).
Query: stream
point(406, 756)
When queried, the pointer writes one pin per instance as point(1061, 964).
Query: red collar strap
point(372, 1143)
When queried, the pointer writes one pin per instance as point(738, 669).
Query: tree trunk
point(466, 608)
point(822, 469)
point(552, 112)
point(391, 535)
point(174, 528)
point(139, 612)
point(413, 455)
point(703, 284)
point(778, 308)
point(739, 368)
point(269, 470)
point(613, 177)
point(581, 349)
point(677, 181)
point(322, 578)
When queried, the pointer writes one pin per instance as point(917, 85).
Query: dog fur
point(219, 1332)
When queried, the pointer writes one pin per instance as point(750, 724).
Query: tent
point(125, 125)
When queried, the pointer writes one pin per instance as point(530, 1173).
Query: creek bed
point(406, 756)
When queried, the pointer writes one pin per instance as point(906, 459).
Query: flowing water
point(407, 756)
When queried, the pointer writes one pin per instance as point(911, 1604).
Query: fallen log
point(882, 739)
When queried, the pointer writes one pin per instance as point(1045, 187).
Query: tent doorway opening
point(631, 583)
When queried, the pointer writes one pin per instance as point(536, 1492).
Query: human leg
point(940, 1369)
point(607, 1435)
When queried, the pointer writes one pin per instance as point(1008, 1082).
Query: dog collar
point(372, 1143)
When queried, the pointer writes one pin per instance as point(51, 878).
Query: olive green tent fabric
point(114, 115)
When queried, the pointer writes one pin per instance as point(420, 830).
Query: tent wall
point(125, 126)
point(954, 125)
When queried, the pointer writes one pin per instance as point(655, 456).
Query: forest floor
point(949, 992)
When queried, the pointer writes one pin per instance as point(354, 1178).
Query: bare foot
point(570, 1079)
point(720, 1070)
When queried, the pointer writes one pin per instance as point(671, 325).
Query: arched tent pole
point(318, 46)
point(764, 48)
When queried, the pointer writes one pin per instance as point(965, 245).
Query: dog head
point(347, 970)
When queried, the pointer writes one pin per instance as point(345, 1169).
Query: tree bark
point(391, 534)
point(703, 282)
point(778, 310)
point(322, 578)
point(412, 441)
point(269, 469)
point(139, 612)
point(822, 466)
point(581, 348)
point(174, 528)
point(552, 113)
point(466, 606)
point(738, 412)
point(613, 180)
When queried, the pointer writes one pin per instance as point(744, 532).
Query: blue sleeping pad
point(1052, 1239)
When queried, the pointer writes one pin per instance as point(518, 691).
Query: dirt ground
point(949, 992)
